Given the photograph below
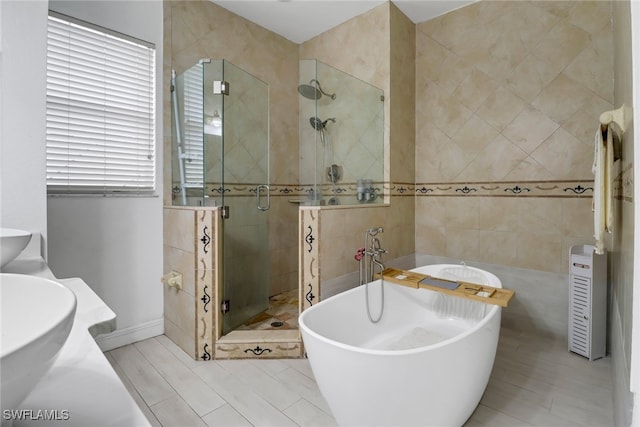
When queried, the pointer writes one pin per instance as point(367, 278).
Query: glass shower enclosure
point(220, 157)
point(341, 134)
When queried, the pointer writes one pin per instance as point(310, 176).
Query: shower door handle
point(259, 189)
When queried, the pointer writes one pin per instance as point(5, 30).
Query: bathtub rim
point(494, 311)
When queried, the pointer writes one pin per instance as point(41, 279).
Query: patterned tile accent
point(206, 268)
point(262, 350)
point(347, 192)
point(569, 188)
point(309, 257)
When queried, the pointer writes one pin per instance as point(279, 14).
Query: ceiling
point(301, 20)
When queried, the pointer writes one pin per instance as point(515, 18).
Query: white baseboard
point(121, 337)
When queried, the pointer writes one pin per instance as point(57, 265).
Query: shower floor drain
point(277, 324)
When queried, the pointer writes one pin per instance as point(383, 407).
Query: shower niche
point(341, 134)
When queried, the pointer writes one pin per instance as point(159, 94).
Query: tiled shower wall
point(201, 29)
point(507, 95)
point(377, 47)
point(508, 100)
point(190, 238)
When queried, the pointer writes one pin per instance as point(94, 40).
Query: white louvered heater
point(587, 302)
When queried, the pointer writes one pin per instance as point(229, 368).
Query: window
point(193, 119)
point(100, 110)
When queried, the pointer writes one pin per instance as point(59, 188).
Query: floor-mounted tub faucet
point(373, 251)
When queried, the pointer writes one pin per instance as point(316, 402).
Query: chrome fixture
point(314, 91)
point(334, 173)
point(365, 191)
point(320, 126)
point(370, 258)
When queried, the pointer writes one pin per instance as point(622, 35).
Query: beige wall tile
point(186, 342)
point(562, 44)
point(594, 62)
point(578, 124)
point(561, 98)
point(588, 15)
point(431, 240)
point(462, 212)
point(474, 90)
point(180, 309)
point(528, 169)
point(531, 76)
point(430, 212)
point(179, 228)
point(474, 135)
point(500, 108)
point(538, 74)
point(565, 156)
point(497, 247)
point(462, 243)
point(498, 214)
point(577, 218)
point(498, 158)
point(540, 216)
point(540, 251)
point(437, 159)
point(438, 109)
point(529, 129)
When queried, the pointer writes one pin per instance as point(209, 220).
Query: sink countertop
point(81, 389)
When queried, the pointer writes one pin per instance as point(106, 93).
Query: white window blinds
point(193, 122)
point(100, 111)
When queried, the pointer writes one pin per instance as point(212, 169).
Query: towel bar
point(613, 116)
point(617, 117)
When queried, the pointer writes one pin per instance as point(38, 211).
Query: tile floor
point(535, 382)
point(281, 314)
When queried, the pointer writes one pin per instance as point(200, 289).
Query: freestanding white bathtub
point(419, 366)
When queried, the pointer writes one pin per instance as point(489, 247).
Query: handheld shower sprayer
point(319, 125)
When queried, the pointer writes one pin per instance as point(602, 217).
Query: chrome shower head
point(314, 91)
point(310, 92)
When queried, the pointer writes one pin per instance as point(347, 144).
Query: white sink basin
point(37, 316)
point(12, 242)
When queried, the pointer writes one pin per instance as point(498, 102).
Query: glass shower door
point(244, 189)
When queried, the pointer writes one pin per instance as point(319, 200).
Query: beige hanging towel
point(602, 188)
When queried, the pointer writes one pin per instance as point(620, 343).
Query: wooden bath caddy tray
point(474, 291)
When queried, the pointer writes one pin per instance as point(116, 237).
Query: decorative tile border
point(561, 188)
point(309, 255)
point(291, 190)
point(346, 192)
point(258, 350)
point(206, 249)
